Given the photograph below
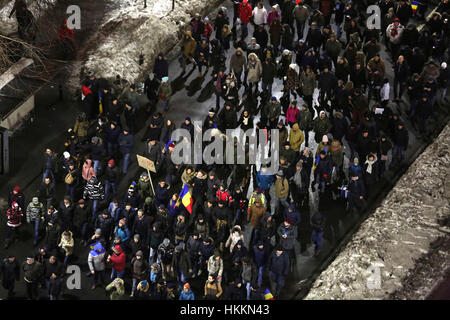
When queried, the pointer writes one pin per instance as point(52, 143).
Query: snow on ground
point(388, 244)
point(150, 31)
point(9, 25)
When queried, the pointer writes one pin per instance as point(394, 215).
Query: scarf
point(245, 121)
point(369, 165)
point(394, 31)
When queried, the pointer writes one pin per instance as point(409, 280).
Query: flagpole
point(151, 183)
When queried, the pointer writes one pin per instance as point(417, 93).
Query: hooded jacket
point(290, 232)
point(94, 189)
point(254, 69)
point(296, 137)
point(256, 213)
point(118, 259)
point(96, 258)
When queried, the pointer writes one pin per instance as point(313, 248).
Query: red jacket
point(14, 216)
point(207, 30)
point(224, 196)
point(118, 260)
point(245, 12)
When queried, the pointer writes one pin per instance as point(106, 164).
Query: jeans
point(443, 93)
point(402, 88)
point(260, 274)
point(36, 231)
point(97, 275)
point(398, 153)
point(94, 209)
point(151, 256)
point(108, 186)
point(180, 277)
point(97, 166)
point(244, 27)
point(267, 87)
point(300, 28)
point(317, 240)
point(134, 285)
point(126, 162)
point(248, 288)
point(117, 274)
point(338, 30)
point(276, 282)
point(112, 148)
point(70, 190)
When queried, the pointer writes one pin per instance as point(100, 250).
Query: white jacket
point(394, 39)
point(259, 16)
point(384, 92)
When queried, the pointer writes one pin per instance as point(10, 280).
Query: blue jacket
point(123, 234)
point(294, 215)
point(260, 256)
point(264, 181)
point(112, 135)
point(125, 143)
point(186, 295)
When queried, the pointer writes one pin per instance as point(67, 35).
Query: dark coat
point(279, 264)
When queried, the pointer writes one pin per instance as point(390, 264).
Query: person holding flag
point(186, 199)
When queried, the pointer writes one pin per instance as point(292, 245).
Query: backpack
point(68, 179)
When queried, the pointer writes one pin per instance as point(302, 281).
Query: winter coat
point(394, 37)
point(10, 272)
point(256, 213)
point(321, 126)
point(94, 190)
point(291, 114)
point(292, 81)
point(264, 181)
point(32, 272)
point(260, 257)
point(308, 83)
point(304, 120)
point(281, 188)
point(67, 244)
point(333, 48)
point(238, 63)
point(181, 262)
point(245, 12)
point(14, 216)
point(254, 70)
point(401, 137)
point(215, 267)
point(35, 212)
point(269, 72)
point(300, 13)
point(186, 295)
point(291, 233)
point(118, 259)
point(188, 47)
point(279, 264)
point(296, 137)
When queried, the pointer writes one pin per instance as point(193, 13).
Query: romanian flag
point(100, 105)
point(186, 199)
point(268, 295)
point(414, 6)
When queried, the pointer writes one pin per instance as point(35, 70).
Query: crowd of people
point(237, 239)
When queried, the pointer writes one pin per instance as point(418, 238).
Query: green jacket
point(304, 120)
point(321, 126)
point(308, 83)
point(116, 294)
